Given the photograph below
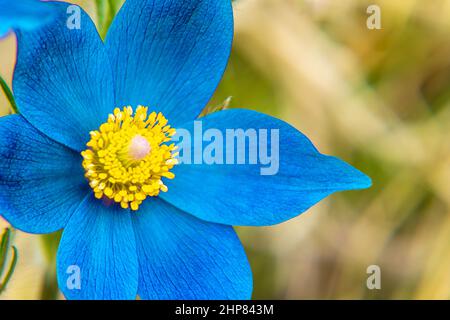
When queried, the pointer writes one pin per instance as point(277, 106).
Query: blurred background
point(378, 99)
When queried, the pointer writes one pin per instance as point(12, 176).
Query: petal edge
point(171, 58)
point(98, 243)
point(239, 195)
point(41, 182)
point(182, 257)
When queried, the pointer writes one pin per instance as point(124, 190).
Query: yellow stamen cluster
point(120, 171)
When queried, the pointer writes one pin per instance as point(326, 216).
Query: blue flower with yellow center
point(93, 152)
point(23, 14)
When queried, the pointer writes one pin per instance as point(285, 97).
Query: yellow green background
point(378, 99)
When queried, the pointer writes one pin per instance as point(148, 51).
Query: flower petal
point(63, 80)
point(240, 195)
point(182, 257)
point(170, 55)
point(23, 14)
point(41, 182)
point(98, 249)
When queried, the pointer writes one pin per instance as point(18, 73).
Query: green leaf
point(4, 244)
point(12, 267)
point(99, 4)
point(50, 243)
point(215, 108)
point(9, 95)
point(4, 250)
point(106, 11)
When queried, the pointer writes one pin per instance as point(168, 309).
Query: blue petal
point(239, 195)
point(170, 55)
point(4, 30)
point(98, 249)
point(182, 257)
point(41, 182)
point(63, 80)
point(23, 14)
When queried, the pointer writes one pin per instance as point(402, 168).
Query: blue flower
point(174, 239)
point(23, 14)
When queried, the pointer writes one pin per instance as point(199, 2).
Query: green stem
point(112, 7)
point(4, 249)
point(4, 245)
point(8, 93)
point(50, 243)
point(109, 18)
point(12, 267)
point(100, 14)
point(50, 288)
point(106, 11)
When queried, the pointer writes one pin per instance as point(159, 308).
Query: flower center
point(139, 148)
point(128, 156)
